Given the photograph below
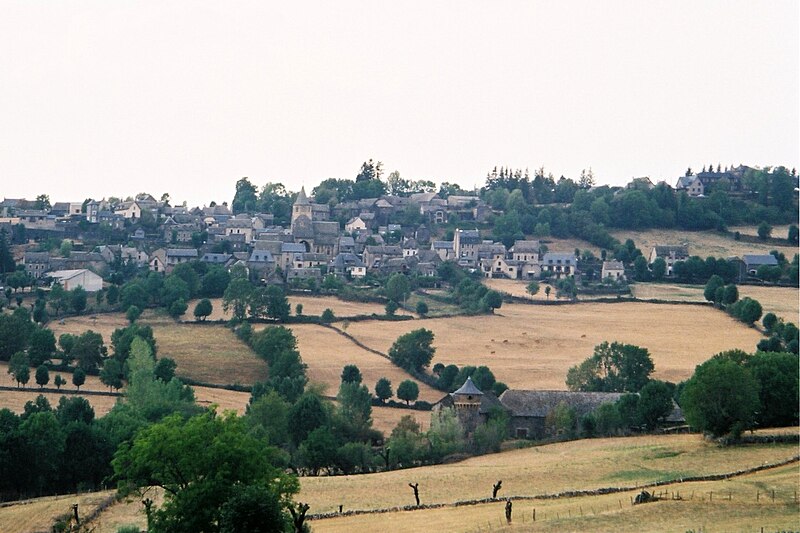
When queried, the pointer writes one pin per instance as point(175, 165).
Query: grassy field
point(208, 353)
point(583, 464)
point(783, 301)
point(386, 418)
point(326, 353)
point(532, 347)
point(703, 243)
point(312, 305)
point(577, 465)
point(104, 324)
point(39, 514)
point(703, 507)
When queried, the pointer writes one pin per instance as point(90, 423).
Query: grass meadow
point(532, 347)
point(582, 464)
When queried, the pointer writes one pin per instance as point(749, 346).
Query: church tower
point(301, 207)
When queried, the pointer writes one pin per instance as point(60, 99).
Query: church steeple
point(302, 199)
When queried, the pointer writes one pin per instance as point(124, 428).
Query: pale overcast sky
point(114, 98)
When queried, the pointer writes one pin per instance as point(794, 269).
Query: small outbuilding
point(72, 279)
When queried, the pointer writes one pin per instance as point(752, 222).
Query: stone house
point(613, 270)
point(559, 265)
point(529, 408)
point(670, 254)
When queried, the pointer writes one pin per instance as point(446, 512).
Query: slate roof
point(538, 403)
point(613, 265)
point(181, 252)
point(525, 247)
point(468, 388)
point(679, 250)
point(759, 259)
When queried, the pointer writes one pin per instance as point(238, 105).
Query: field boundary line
point(560, 495)
point(61, 391)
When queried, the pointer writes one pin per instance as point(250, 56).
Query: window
point(522, 433)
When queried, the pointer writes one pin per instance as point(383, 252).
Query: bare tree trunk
point(415, 486)
point(495, 488)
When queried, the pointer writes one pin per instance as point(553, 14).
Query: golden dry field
point(128, 511)
point(312, 305)
point(208, 353)
point(576, 465)
point(703, 506)
point(385, 419)
point(533, 346)
point(39, 514)
point(783, 301)
point(519, 288)
point(225, 400)
point(104, 324)
point(326, 353)
point(703, 243)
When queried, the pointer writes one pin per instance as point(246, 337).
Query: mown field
point(327, 352)
point(728, 505)
point(583, 464)
point(705, 243)
point(312, 305)
point(783, 301)
point(532, 347)
point(703, 506)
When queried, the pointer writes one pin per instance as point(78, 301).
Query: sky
point(103, 98)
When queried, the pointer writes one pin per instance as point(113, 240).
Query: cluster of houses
point(313, 243)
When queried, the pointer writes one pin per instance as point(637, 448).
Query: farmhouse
point(752, 262)
point(613, 270)
point(72, 279)
point(529, 408)
point(559, 265)
point(670, 254)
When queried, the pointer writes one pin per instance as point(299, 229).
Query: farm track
point(564, 494)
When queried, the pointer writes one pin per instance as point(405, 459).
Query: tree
point(133, 313)
point(88, 350)
point(383, 389)
point(165, 369)
point(178, 308)
point(614, 367)
point(398, 287)
point(318, 450)
point(413, 350)
point(778, 392)
point(58, 381)
point(547, 290)
point(237, 297)
point(747, 310)
point(112, 374)
point(655, 403)
point(769, 321)
point(391, 308)
point(42, 376)
point(794, 235)
point(306, 415)
point(19, 367)
point(203, 309)
point(42, 346)
point(422, 308)
point(710, 291)
point(533, 288)
point(199, 463)
point(214, 282)
point(78, 378)
point(408, 391)
point(253, 508)
point(77, 299)
point(730, 294)
point(351, 374)
point(721, 398)
point(245, 199)
point(659, 268)
point(764, 231)
point(327, 315)
point(492, 300)
point(270, 413)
